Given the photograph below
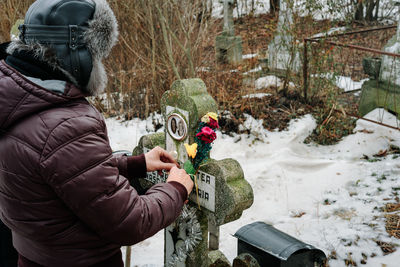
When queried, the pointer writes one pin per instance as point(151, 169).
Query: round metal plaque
point(177, 126)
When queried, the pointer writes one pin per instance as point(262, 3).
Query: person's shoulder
point(71, 122)
point(74, 112)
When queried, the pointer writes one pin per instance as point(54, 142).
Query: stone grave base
point(228, 49)
point(376, 94)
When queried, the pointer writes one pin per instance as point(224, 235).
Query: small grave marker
point(282, 54)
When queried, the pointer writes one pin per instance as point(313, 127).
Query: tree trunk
point(377, 9)
point(274, 6)
point(359, 15)
point(369, 14)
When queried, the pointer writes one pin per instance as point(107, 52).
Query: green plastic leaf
point(188, 167)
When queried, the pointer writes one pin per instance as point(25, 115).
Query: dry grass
point(393, 225)
point(160, 41)
point(393, 220)
point(10, 12)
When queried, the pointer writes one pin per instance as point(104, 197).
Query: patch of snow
point(203, 69)
point(330, 31)
point(248, 56)
point(343, 82)
point(125, 135)
point(347, 84)
point(243, 8)
point(259, 95)
point(253, 70)
point(321, 10)
point(14, 37)
point(268, 81)
point(340, 194)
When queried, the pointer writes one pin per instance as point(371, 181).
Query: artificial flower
point(191, 150)
point(213, 123)
point(205, 119)
point(213, 116)
point(207, 135)
point(209, 116)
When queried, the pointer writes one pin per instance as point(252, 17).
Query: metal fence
point(353, 59)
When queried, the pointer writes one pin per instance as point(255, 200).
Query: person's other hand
point(158, 159)
point(180, 176)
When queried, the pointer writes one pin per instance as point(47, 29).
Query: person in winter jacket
point(66, 198)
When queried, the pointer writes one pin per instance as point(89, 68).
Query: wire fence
point(355, 64)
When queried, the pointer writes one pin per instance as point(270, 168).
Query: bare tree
point(274, 6)
point(366, 10)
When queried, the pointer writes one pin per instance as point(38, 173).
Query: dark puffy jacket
point(62, 192)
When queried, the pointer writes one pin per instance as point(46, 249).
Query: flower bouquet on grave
point(199, 151)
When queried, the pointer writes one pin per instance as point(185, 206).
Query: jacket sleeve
point(84, 174)
point(131, 167)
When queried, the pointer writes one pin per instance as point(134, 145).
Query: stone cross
point(228, 26)
point(282, 54)
point(390, 67)
point(228, 47)
point(285, 16)
point(223, 191)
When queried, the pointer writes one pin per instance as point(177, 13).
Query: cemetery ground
point(326, 178)
point(341, 198)
point(323, 177)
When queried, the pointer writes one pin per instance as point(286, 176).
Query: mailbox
point(271, 247)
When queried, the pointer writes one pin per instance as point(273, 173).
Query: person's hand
point(158, 159)
point(180, 176)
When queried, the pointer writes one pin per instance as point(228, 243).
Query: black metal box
point(271, 247)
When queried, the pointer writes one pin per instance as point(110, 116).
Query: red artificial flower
point(207, 135)
point(213, 123)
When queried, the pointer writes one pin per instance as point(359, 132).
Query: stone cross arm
point(233, 194)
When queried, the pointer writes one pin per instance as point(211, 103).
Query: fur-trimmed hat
point(72, 36)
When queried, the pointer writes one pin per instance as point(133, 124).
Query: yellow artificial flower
point(206, 118)
point(213, 115)
point(191, 150)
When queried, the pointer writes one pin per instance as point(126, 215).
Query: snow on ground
point(319, 10)
point(249, 56)
point(340, 194)
point(259, 95)
point(330, 31)
point(267, 81)
point(343, 82)
point(347, 84)
point(243, 8)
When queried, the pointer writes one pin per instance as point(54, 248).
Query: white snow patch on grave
point(289, 177)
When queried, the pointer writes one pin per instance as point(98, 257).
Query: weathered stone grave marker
point(383, 88)
point(223, 191)
point(228, 46)
point(281, 51)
